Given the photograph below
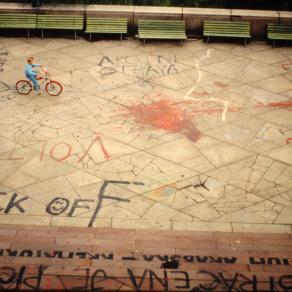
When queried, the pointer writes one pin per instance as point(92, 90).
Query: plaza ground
point(160, 167)
point(163, 136)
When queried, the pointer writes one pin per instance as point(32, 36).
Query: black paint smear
point(101, 195)
point(170, 265)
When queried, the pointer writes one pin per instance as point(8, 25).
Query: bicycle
point(52, 87)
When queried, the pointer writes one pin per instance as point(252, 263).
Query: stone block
point(112, 11)
point(194, 18)
point(286, 17)
point(157, 13)
point(258, 19)
point(16, 8)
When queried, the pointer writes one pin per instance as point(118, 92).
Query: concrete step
point(98, 259)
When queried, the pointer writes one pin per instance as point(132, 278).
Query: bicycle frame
point(43, 76)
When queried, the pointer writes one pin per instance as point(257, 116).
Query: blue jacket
point(29, 73)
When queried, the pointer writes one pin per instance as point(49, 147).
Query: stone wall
point(193, 17)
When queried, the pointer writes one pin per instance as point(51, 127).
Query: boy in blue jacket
point(31, 74)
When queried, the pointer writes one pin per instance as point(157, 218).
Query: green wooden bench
point(18, 21)
point(234, 29)
point(279, 32)
point(106, 25)
point(70, 22)
point(161, 29)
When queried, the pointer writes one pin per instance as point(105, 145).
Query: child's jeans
point(35, 83)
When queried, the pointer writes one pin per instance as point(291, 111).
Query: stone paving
point(161, 136)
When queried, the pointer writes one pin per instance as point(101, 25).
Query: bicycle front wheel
point(23, 87)
point(54, 88)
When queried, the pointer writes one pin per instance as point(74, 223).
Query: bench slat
point(70, 22)
point(106, 25)
point(25, 21)
point(161, 29)
point(279, 32)
point(234, 29)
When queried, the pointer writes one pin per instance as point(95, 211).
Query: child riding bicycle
point(31, 74)
point(25, 87)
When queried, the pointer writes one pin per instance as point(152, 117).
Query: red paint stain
point(220, 84)
point(167, 116)
point(208, 111)
point(280, 104)
point(288, 140)
point(202, 93)
point(259, 105)
point(286, 66)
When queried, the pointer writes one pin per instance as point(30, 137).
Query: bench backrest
point(161, 25)
point(106, 25)
point(227, 27)
point(60, 22)
point(10, 20)
point(276, 28)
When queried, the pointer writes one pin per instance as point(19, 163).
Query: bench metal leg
point(121, 37)
point(208, 39)
point(42, 34)
point(245, 42)
point(90, 37)
point(144, 41)
point(274, 43)
point(181, 42)
point(75, 34)
point(28, 33)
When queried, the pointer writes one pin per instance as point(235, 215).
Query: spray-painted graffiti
point(165, 259)
point(66, 150)
point(64, 206)
point(12, 278)
point(3, 58)
point(6, 94)
point(218, 281)
point(141, 67)
point(40, 278)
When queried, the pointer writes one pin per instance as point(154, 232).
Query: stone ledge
point(206, 11)
point(158, 10)
point(7, 6)
point(59, 7)
point(285, 14)
point(16, 7)
point(110, 8)
point(255, 13)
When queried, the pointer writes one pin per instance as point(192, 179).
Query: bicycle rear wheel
point(23, 87)
point(54, 88)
